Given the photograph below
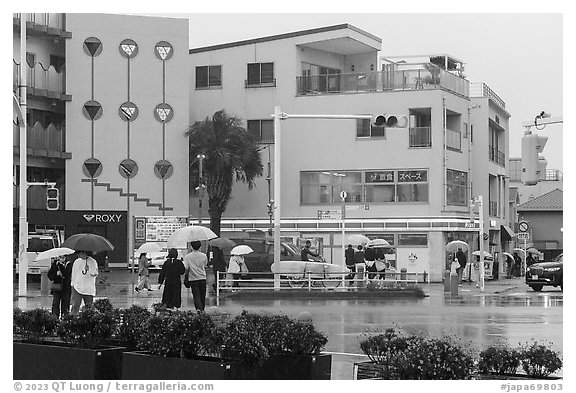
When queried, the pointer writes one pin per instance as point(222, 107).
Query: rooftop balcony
point(419, 77)
point(42, 81)
point(42, 142)
point(53, 25)
point(482, 90)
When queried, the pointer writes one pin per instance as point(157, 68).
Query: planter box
point(53, 360)
point(142, 366)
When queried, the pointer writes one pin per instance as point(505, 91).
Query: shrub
point(414, 357)
point(103, 305)
point(133, 321)
point(538, 360)
point(499, 360)
point(243, 342)
point(87, 329)
point(34, 325)
point(156, 337)
point(303, 339)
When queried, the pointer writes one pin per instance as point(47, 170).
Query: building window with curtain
point(412, 186)
point(260, 75)
point(261, 130)
point(209, 77)
point(456, 188)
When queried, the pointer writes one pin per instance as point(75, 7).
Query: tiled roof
point(549, 201)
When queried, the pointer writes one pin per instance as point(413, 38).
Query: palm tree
point(231, 155)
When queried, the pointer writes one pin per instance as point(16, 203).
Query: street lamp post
point(23, 208)
point(278, 117)
point(479, 202)
point(201, 186)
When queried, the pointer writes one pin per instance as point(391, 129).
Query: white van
point(36, 244)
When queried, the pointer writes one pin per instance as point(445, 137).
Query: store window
point(412, 186)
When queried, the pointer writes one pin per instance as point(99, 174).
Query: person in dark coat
point(218, 263)
point(370, 257)
point(60, 274)
point(462, 260)
point(517, 264)
point(529, 260)
point(349, 258)
point(172, 269)
point(306, 251)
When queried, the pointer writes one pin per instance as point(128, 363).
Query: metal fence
point(41, 78)
point(420, 137)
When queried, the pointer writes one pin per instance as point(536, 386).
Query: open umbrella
point(190, 233)
point(486, 254)
point(88, 242)
point(222, 243)
point(357, 240)
point(520, 250)
point(508, 255)
point(241, 250)
point(54, 253)
point(378, 243)
point(532, 250)
point(454, 245)
point(148, 247)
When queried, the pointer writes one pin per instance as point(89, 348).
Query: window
point(412, 239)
point(261, 130)
point(381, 186)
point(260, 74)
point(419, 133)
point(453, 140)
point(208, 76)
point(365, 129)
point(456, 188)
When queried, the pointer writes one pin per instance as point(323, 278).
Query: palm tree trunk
point(219, 189)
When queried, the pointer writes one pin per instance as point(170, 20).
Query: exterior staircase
point(133, 195)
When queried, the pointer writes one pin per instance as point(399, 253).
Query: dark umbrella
point(222, 243)
point(88, 242)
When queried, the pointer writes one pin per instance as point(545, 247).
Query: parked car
point(263, 256)
point(546, 273)
point(156, 259)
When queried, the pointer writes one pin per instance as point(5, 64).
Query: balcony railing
point(453, 139)
point(412, 79)
point(43, 142)
point(493, 209)
point(482, 90)
point(264, 83)
point(54, 20)
point(420, 137)
point(553, 175)
point(41, 81)
point(496, 156)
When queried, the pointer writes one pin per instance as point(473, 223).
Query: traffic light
point(52, 198)
point(532, 144)
point(389, 120)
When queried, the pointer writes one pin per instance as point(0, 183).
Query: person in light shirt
point(84, 273)
point(195, 264)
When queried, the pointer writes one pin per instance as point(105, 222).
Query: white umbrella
point(241, 250)
point(181, 236)
point(378, 243)
point(54, 253)
point(486, 254)
point(454, 245)
point(508, 255)
point(356, 240)
point(148, 248)
point(519, 250)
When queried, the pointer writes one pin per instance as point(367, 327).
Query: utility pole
point(479, 202)
point(23, 208)
point(270, 204)
point(201, 186)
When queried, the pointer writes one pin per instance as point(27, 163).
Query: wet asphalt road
point(507, 311)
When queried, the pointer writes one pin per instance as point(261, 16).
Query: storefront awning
point(506, 234)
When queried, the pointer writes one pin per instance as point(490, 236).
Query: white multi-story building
point(410, 185)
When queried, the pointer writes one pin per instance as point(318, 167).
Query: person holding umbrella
point(195, 264)
point(83, 280)
point(60, 274)
point(462, 260)
point(143, 273)
point(218, 263)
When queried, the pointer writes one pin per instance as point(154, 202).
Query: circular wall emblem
point(128, 48)
point(92, 46)
point(163, 113)
point(163, 169)
point(92, 110)
point(92, 168)
point(128, 111)
point(163, 50)
point(128, 168)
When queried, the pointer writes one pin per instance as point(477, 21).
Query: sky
point(519, 56)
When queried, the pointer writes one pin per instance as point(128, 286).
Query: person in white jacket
point(83, 282)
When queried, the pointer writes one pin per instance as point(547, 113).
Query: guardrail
point(260, 281)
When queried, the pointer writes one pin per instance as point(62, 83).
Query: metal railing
point(420, 137)
point(553, 175)
point(51, 138)
point(497, 156)
point(250, 83)
point(482, 90)
point(258, 281)
point(493, 209)
point(453, 139)
point(411, 79)
point(54, 20)
point(39, 77)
